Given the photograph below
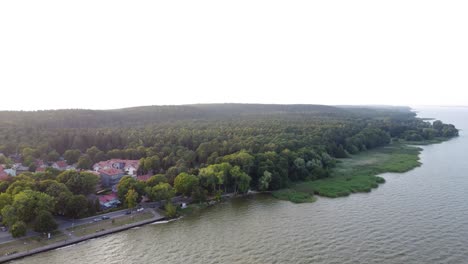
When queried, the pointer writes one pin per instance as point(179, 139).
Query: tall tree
point(84, 163)
point(28, 204)
point(127, 183)
point(184, 183)
point(72, 156)
point(18, 229)
point(79, 182)
point(264, 181)
point(77, 206)
point(131, 198)
point(44, 222)
point(161, 191)
point(53, 156)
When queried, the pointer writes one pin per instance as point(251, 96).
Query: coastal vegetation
point(31, 199)
point(358, 173)
point(203, 151)
point(290, 194)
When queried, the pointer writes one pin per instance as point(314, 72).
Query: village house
point(129, 167)
point(40, 165)
point(110, 177)
point(20, 168)
point(108, 201)
point(40, 169)
point(60, 165)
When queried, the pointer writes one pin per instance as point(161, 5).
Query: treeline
point(146, 126)
point(198, 151)
point(294, 142)
point(31, 199)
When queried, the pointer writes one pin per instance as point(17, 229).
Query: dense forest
point(194, 150)
point(293, 142)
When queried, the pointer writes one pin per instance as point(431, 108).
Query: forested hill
point(290, 142)
point(139, 116)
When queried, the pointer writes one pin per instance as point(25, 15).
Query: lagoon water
point(416, 217)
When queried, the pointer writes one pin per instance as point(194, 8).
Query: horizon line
point(233, 103)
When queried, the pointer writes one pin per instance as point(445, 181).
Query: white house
point(129, 167)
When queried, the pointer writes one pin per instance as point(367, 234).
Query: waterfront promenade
point(73, 239)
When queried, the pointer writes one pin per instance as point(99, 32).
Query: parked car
point(140, 209)
point(105, 217)
point(128, 212)
point(96, 219)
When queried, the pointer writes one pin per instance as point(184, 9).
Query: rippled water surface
point(416, 217)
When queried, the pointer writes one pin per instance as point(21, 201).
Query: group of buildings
point(110, 173)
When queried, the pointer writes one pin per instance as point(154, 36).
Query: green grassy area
point(29, 243)
point(356, 174)
point(424, 142)
point(294, 196)
point(91, 228)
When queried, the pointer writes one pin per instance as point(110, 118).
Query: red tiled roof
point(133, 163)
point(108, 197)
point(40, 169)
point(61, 164)
point(110, 171)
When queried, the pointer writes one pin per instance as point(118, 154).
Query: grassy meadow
point(355, 174)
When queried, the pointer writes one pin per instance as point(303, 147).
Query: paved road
point(6, 236)
point(74, 240)
point(64, 223)
point(67, 222)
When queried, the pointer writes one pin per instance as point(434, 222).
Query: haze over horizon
point(136, 106)
point(118, 54)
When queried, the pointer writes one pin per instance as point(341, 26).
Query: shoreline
point(401, 157)
point(78, 240)
point(162, 219)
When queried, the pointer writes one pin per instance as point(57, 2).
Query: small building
point(3, 175)
point(41, 169)
point(20, 168)
point(60, 165)
point(110, 177)
point(108, 201)
point(40, 165)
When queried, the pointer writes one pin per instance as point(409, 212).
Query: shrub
point(18, 229)
point(171, 210)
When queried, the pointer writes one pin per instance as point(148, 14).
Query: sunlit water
point(416, 217)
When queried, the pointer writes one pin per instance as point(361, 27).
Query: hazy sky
point(111, 54)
